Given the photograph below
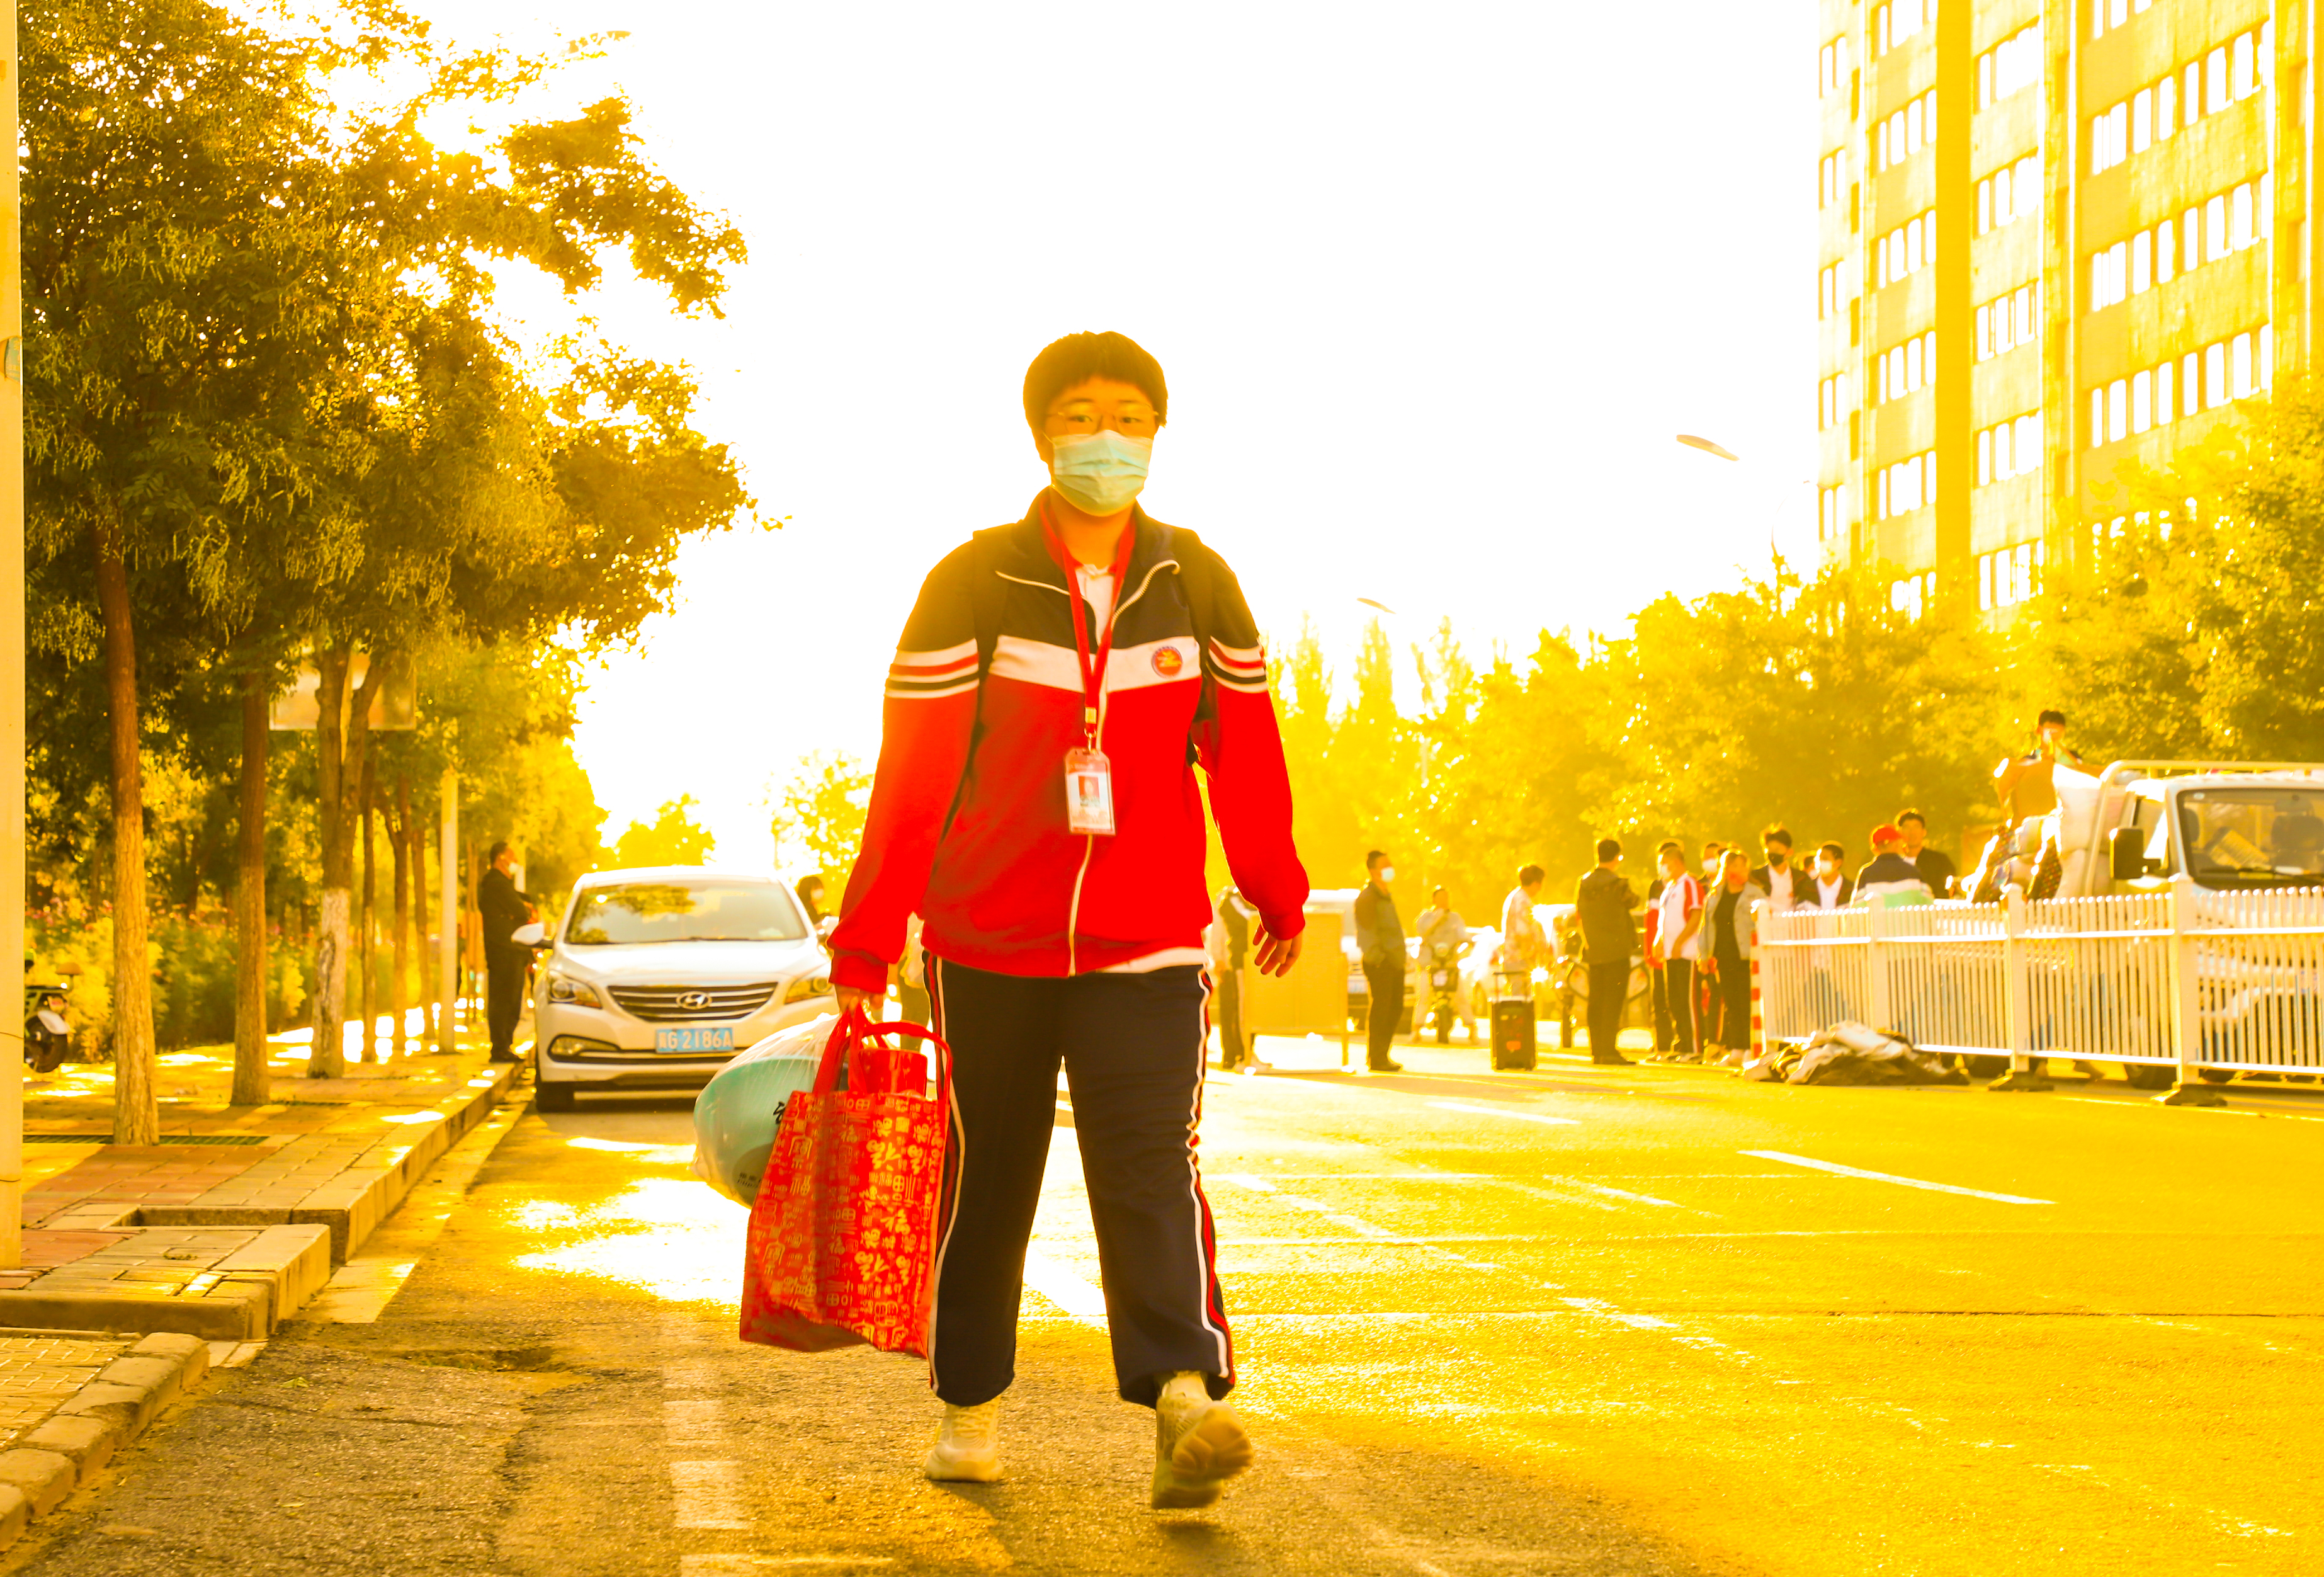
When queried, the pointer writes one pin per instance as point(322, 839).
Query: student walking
point(1602, 904)
point(1036, 803)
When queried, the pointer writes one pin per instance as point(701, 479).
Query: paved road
point(1619, 1321)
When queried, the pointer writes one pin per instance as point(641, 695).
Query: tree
point(673, 838)
point(281, 416)
point(2196, 629)
point(824, 805)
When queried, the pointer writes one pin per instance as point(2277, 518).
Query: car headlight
point(806, 986)
point(564, 988)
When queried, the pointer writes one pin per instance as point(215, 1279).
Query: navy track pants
point(1132, 1048)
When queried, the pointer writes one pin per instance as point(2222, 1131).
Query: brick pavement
point(37, 1372)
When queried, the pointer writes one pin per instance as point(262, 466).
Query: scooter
point(48, 1038)
point(1443, 989)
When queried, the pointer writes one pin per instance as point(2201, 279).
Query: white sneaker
point(1252, 1068)
point(968, 1450)
point(1198, 1445)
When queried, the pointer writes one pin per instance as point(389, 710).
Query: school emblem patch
point(1167, 661)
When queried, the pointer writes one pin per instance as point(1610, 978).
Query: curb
point(252, 1293)
point(73, 1444)
point(354, 1202)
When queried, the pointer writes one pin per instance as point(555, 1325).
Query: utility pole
point(11, 660)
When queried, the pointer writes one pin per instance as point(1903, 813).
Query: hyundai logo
point(693, 1002)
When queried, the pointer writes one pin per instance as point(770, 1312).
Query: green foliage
point(2211, 595)
point(1809, 704)
point(823, 807)
point(673, 838)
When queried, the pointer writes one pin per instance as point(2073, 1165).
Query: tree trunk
point(251, 1084)
point(327, 1058)
point(136, 1112)
point(424, 993)
point(368, 927)
point(342, 732)
point(399, 964)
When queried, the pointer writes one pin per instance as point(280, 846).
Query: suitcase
point(1513, 1032)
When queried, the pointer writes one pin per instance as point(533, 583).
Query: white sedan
point(657, 977)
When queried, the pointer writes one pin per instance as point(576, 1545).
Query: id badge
point(1089, 792)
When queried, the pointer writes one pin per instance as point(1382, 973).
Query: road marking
point(1837, 1170)
point(1618, 1193)
point(1069, 1291)
point(695, 1421)
point(707, 1495)
point(1591, 1306)
point(1520, 1116)
point(1249, 1180)
point(742, 1565)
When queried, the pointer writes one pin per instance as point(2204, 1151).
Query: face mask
point(1388, 874)
point(1100, 471)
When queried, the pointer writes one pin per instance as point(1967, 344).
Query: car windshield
point(625, 912)
point(2253, 837)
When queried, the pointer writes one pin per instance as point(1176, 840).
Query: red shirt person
point(1036, 802)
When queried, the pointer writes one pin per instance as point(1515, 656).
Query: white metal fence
point(2186, 976)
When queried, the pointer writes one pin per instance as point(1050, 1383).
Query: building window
point(2009, 321)
point(1908, 484)
point(2010, 65)
point(1908, 248)
point(1832, 512)
point(2109, 138)
point(1912, 595)
point(1832, 66)
point(2008, 194)
point(1831, 402)
point(2105, 15)
point(1907, 131)
point(1908, 367)
point(2008, 576)
point(1896, 22)
point(2009, 448)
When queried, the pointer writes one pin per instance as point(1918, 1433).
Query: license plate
point(708, 1037)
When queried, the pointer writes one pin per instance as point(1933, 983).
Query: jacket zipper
point(1088, 840)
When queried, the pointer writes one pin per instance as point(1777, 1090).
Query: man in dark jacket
point(1380, 941)
point(1788, 887)
point(1603, 905)
point(506, 962)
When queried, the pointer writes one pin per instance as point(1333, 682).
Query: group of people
point(1696, 936)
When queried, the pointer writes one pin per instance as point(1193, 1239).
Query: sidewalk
point(230, 1223)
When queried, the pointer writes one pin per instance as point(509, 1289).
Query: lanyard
point(1092, 664)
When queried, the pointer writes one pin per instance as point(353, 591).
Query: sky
point(1434, 289)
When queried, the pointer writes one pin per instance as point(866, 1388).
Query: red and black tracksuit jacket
point(967, 824)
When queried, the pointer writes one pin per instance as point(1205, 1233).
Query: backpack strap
point(1201, 589)
point(985, 595)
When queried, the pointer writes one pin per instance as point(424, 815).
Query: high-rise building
point(2058, 237)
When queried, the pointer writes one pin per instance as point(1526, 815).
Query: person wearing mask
point(1786, 884)
point(810, 888)
point(1937, 870)
point(1833, 886)
point(1731, 906)
point(1058, 683)
point(1713, 853)
point(507, 961)
point(1379, 943)
point(1602, 903)
point(1676, 944)
point(1441, 923)
point(2024, 782)
point(1888, 874)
